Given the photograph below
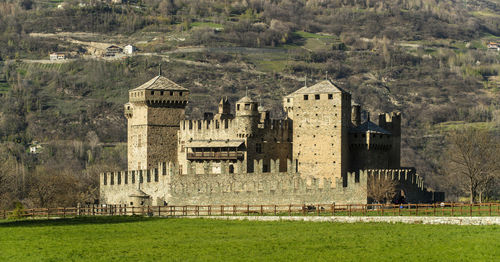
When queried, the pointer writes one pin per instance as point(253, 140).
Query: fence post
point(434, 209)
point(48, 211)
point(304, 210)
point(416, 210)
point(490, 209)
point(159, 211)
point(133, 212)
point(4, 214)
point(275, 210)
point(382, 207)
point(93, 210)
point(248, 210)
point(234, 210)
point(333, 209)
point(261, 210)
point(349, 209)
point(317, 210)
point(290, 210)
point(452, 209)
point(64, 212)
point(209, 210)
point(470, 209)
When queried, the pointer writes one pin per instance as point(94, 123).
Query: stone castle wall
point(166, 185)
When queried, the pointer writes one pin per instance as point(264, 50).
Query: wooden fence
point(443, 209)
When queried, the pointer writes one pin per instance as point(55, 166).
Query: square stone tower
point(154, 112)
point(321, 117)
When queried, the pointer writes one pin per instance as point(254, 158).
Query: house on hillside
point(494, 46)
point(113, 50)
point(57, 56)
point(129, 49)
point(35, 148)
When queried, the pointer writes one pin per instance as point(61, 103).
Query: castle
point(320, 153)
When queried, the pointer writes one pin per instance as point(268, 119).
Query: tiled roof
point(325, 86)
point(160, 83)
point(369, 126)
point(246, 99)
point(215, 143)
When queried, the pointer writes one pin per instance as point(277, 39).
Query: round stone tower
point(247, 116)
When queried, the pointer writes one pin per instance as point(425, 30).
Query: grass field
point(154, 239)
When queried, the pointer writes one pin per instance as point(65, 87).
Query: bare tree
point(381, 188)
point(472, 160)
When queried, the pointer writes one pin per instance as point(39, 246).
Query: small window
point(148, 176)
point(288, 100)
point(171, 93)
point(161, 93)
point(316, 97)
point(105, 179)
point(231, 169)
point(238, 107)
point(180, 93)
point(133, 177)
point(247, 106)
point(330, 96)
point(152, 92)
point(131, 203)
point(306, 97)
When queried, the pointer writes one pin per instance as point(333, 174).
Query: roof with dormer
point(325, 86)
point(370, 127)
point(160, 83)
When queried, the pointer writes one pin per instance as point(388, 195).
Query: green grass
point(310, 35)
point(454, 125)
point(486, 14)
point(153, 239)
point(4, 87)
point(206, 24)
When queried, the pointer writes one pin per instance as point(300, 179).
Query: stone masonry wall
point(166, 184)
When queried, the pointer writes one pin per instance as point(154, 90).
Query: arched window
point(231, 169)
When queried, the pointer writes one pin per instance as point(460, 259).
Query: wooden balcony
point(215, 156)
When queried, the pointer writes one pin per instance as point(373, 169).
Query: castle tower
point(247, 123)
point(247, 116)
point(154, 112)
point(356, 115)
point(224, 110)
point(321, 119)
point(392, 122)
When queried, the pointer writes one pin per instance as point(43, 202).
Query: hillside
point(426, 58)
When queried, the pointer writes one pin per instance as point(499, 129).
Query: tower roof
point(246, 99)
point(371, 127)
point(160, 83)
point(325, 86)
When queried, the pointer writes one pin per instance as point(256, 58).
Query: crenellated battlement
point(405, 175)
point(191, 126)
point(228, 183)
